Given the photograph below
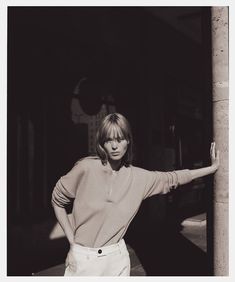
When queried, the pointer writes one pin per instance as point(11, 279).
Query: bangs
point(113, 131)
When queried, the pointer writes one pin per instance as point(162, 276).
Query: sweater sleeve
point(162, 182)
point(66, 187)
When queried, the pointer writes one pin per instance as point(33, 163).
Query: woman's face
point(115, 147)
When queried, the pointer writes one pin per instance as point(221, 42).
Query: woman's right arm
point(64, 222)
point(64, 191)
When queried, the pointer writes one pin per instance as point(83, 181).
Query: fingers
point(212, 149)
point(213, 152)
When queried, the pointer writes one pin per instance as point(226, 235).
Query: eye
point(120, 139)
point(108, 140)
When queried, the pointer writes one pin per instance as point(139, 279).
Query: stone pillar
point(219, 18)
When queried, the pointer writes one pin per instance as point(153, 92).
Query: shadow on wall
point(30, 248)
point(160, 248)
point(166, 252)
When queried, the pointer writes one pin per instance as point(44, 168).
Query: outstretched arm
point(196, 173)
point(162, 182)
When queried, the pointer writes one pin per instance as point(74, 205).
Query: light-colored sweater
point(106, 201)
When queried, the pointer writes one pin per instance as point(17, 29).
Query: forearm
point(64, 222)
point(200, 172)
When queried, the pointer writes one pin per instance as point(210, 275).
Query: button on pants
point(112, 260)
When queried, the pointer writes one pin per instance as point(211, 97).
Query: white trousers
point(112, 260)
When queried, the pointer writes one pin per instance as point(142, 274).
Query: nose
point(114, 144)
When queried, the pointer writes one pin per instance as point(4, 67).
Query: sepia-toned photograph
point(117, 140)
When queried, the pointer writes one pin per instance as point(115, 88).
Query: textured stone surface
point(221, 130)
point(221, 239)
point(220, 91)
point(220, 43)
point(221, 127)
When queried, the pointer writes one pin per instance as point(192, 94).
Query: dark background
point(156, 64)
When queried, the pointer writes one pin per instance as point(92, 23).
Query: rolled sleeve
point(184, 176)
point(66, 187)
point(162, 182)
point(60, 196)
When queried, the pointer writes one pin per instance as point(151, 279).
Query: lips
point(115, 154)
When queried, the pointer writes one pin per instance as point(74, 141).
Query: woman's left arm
point(214, 154)
point(162, 182)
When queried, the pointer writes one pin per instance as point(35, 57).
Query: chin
point(115, 158)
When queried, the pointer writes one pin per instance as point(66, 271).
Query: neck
point(115, 165)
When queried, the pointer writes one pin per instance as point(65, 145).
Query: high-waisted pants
point(112, 260)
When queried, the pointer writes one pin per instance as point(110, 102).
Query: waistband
point(102, 251)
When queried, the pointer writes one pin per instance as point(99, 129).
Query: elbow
point(192, 174)
point(59, 212)
point(57, 201)
point(184, 176)
point(57, 206)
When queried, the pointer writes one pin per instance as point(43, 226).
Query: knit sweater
point(106, 201)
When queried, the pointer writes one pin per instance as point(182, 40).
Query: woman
point(107, 192)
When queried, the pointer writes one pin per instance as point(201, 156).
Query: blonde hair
point(119, 125)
